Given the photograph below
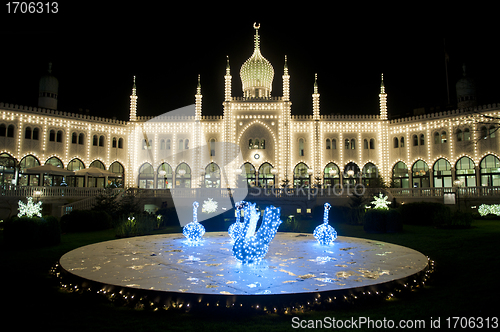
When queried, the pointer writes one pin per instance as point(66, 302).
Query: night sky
point(96, 53)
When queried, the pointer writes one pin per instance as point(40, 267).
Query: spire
point(315, 99)
point(227, 81)
point(133, 103)
point(256, 38)
point(316, 83)
point(286, 82)
point(197, 102)
point(383, 100)
point(198, 87)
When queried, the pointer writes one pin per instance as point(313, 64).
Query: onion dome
point(257, 73)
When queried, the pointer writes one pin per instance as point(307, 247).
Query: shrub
point(382, 221)
point(136, 225)
point(32, 231)
point(425, 213)
point(85, 221)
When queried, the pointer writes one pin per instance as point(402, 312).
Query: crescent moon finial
point(255, 26)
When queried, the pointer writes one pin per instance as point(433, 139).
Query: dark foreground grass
point(465, 284)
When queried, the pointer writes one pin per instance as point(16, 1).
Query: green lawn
point(465, 284)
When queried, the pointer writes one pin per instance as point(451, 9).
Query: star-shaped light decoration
point(209, 206)
point(381, 202)
point(29, 209)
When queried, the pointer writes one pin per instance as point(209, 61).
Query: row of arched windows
point(331, 144)
point(465, 172)
point(257, 143)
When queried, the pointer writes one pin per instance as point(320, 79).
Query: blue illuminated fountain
point(324, 233)
point(251, 246)
point(194, 230)
point(237, 228)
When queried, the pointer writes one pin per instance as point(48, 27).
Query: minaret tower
point(227, 80)
point(197, 103)
point(48, 90)
point(317, 141)
point(133, 103)
point(383, 100)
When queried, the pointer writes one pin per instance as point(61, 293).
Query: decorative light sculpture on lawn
point(381, 202)
point(237, 228)
point(324, 233)
point(251, 246)
point(194, 230)
point(29, 209)
point(485, 209)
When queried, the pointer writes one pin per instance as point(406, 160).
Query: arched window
point(26, 179)
point(369, 175)
point(183, 176)
point(347, 144)
point(250, 143)
point(492, 131)
point(266, 176)
point(443, 137)
point(334, 144)
point(262, 143)
point(119, 170)
point(165, 178)
point(10, 131)
point(365, 144)
point(212, 147)
point(75, 165)
point(436, 138)
point(36, 133)
point(248, 172)
point(351, 174)
point(402, 142)
point(460, 135)
point(490, 171)
point(167, 143)
point(97, 164)
point(95, 140)
point(484, 132)
point(331, 175)
point(396, 142)
point(353, 144)
point(120, 143)
point(81, 138)
point(400, 178)
point(59, 136)
point(3, 130)
point(256, 143)
point(186, 144)
point(301, 147)
point(420, 171)
point(422, 139)
point(466, 134)
point(181, 144)
point(466, 172)
point(52, 135)
point(27, 133)
point(114, 142)
point(101, 140)
point(442, 173)
point(301, 176)
point(414, 138)
point(328, 144)
point(372, 143)
point(146, 176)
point(212, 176)
point(74, 138)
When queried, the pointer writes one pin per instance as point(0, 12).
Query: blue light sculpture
point(236, 228)
point(324, 233)
point(194, 230)
point(251, 246)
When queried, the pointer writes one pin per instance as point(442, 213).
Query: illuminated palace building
point(445, 149)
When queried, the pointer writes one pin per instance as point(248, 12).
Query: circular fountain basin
point(169, 268)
